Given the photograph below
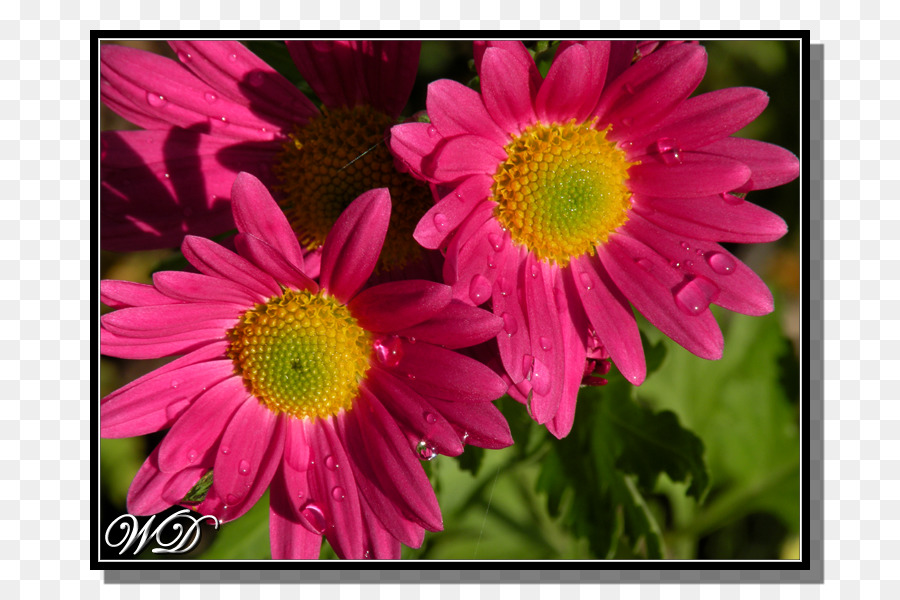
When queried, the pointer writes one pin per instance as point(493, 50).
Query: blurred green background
point(504, 504)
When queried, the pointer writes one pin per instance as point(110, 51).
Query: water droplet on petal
point(244, 468)
point(432, 130)
point(502, 286)
point(674, 264)
point(233, 57)
point(534, 270)
point(313, 515)
point(464, 437)
point(430, 418)
point(257, 79)
point(155, 100)
point(669, 151)
point(338, 493)
point(210, 97)
point(440, 221)
point(497, 241)
point(540, 378)
point(645, 263)
point(721, 263)
point(425, 451)
point(388, 350)
point(688, 263)
point(174, 383)
point(225, 450)
point(184, 57)
point(411, 376)
point(586, 280)
point(545, 344)
point(510, 325)
point(695, 295)
point(479, 289)
point(330, 463)
point(191, 456)
point(685, 245)
point(231, 499)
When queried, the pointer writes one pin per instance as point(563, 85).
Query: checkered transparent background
point(45, 272)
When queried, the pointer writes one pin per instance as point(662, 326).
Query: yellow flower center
point(333, 159)
point(301, 354)
point(561, 190)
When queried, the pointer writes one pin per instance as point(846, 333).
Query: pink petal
point(650, 89)
point(210, 352)
point(384, 546)
point(458, 325)
point(289, 539)
point(200, 426)
point(411, 144)
point(256, 213)
point(398, 304)
point(572, 87)
point(123, 294)
point(445, 216)
point(168, 319)
point(507, 90)
point(212, 259)
point(516, 50)
point(455, 109)
point(654, 297)
point(770, 165)
point(440, 373)
point(695, 175)
point(544, 323)
point(153, 491)
point(352, 247)
point(239, 75)
point(574, 353)
point(334, 69)
point(708, 117)
point(194, 287)
point(480, 424)
point(713, 218)
point(158, 400)
point(514, 342)
point(273, 262)
point(610, 315)
point(129, 347)
point(465, 155)
point(621, 55)
point(475, 257)
point(389, 69)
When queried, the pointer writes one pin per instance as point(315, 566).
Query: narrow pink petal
point(465, 155)
point(247, 437)
point(273, 262)
point(621, 55)
point(473, 235)
point(212, 351)
point(516, 51)
point(289, 539)
point(610, 315)
point(574, 352)
point(713, 218)
point(654, 297)
point(419, 421)
point(480, 424)
point(770, 165)
point(547, 351)
point(241, 76)
point(412, 144)
point(708, 117)
point(571, 89)
point(200, 426)
point(212, 259)
point(169, 94)
point(383, 545)
point(256, 213)
point(430, 365)
point(352, 247)
point(600, 56)
point(389, 68)
point(127, 347)
point(739, 288)
point(696, 174)
point(335, 490)
point(455, 109)
point(458, 325)
point(151, 489)
point(514, 341)
point(443, 218)
point(381, 498)
point(334, 69)
point(158, 401)
point(650, 89)
point(507, 90)
point(398, 304)
point(123, 294)
point(169, 319)
point(195, 287)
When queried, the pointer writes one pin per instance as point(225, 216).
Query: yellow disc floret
point(302, 354)
point(561, 191)
point(334, 158)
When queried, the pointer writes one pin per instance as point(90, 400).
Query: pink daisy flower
point(569, 198)
point(220, 109)
point(329, 393)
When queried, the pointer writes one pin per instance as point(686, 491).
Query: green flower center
point(301, 354)
point(562, 190)
point(327, 163)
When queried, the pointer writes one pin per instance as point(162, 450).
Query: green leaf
point(120, 460)
point(246, 538)
point(197, 493)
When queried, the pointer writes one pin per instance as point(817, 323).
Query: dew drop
point(695, 295)
point(430, 418)
point(497, 241)
point(425, 451)
point(184, 57)
point(685, 245)
point(338, 493)
point(668, 149)
point(155, 100)
point(233, 57)
point(330, 463)
point(388, 350)
point(502, 287)
point(231, 499)
point(586, 280)
point(645, 264)
point(210, 97)
point(534, 271)
point(510, 325)
point(313, 515)
point(174, 383)
point(688, 263)
point(479, 289)
point(191, 456)
point(545, 344)
point(411, 376)
point(540, 378)
point(720, 263)
point(464, 438)
point(440, 221)
point(459, 196)
point(244, 468)
point(368, 554)
point(257, 79)
point(675, 264)
point(432, 130)
point(225, 451)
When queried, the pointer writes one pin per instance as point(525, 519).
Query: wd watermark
point(171, 535)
